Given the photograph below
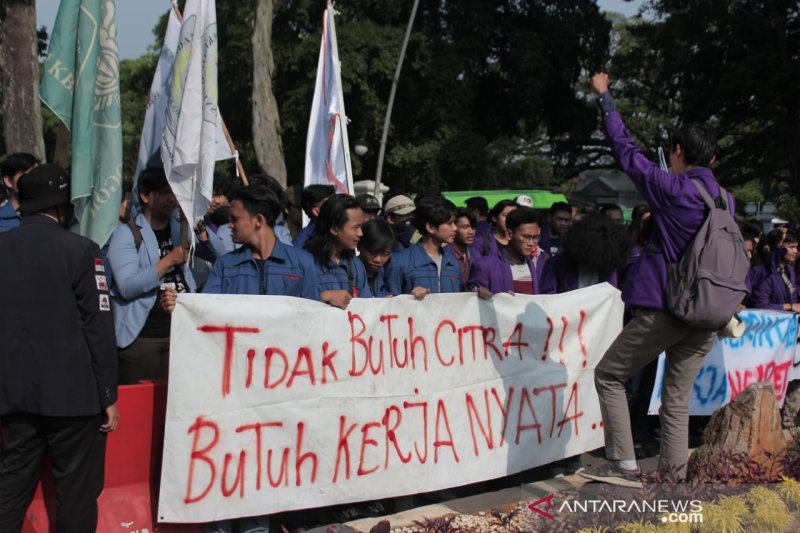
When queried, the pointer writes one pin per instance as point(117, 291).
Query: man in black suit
point(58, 358)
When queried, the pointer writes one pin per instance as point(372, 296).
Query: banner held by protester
point(294, 404)
point(80, 84)
point(764, 353)
point(327, 145)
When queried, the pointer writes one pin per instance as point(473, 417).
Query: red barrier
point(129, 500)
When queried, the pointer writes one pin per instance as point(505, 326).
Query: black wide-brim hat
point(43, 187)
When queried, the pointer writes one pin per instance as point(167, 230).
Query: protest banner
point(764, 353)
point(278, 403)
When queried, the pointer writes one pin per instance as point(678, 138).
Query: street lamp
point(360, 147)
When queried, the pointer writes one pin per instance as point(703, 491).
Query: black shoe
point(612, 474)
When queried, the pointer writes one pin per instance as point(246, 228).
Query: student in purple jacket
point(592, 250)
point(511, 268)
point(777, 287)
point(678, 211)
point(762, 258)
point(488, 242)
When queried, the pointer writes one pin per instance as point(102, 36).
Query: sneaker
point(613, 475)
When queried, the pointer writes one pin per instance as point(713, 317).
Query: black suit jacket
point(58, 354)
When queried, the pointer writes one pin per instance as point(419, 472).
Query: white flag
point(153, 127)
point(327, 147)
point(188, 145)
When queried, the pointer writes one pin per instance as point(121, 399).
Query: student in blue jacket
point(263, 265)
point(424, 267)
point(375, 250)
point(141, 264)
point(333, 245)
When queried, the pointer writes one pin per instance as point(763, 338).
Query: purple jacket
point(678, 211)
point(561, 275)
point(770, 292)
point(484, 244)
point(493, 272)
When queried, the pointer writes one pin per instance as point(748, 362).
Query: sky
point(136, 19)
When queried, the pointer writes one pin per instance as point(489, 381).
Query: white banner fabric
point(764, 353)
point(278, 403)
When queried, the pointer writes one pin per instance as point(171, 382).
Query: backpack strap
point(722, 199)
point(486, 247)
point(137, 233)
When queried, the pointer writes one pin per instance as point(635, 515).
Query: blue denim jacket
point(136, 283)
point(413, 267)
point(288, 272)
point(9, 219)
point(333, 277)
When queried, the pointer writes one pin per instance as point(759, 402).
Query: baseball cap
point(368, 202)
point(399, 205)
point(778, 221)
point(43, 187)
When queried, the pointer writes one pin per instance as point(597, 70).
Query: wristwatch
point(201, 226)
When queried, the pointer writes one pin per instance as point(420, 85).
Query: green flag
point(80, 84)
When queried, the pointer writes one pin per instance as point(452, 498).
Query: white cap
point(523, 200)
point(778, 221)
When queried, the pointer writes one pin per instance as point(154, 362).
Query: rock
point(751, 423)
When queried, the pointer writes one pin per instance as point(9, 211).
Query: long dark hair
point(595, 242)
point(332, 214)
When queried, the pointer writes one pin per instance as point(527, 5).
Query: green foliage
point(135, 76)
point(734, 65)
point(479, 78)
point(487, 95)
point(725, 516)
point(789, 489)
point(768, 512)
point(636, 527)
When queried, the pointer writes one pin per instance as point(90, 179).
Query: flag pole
point(239, 167)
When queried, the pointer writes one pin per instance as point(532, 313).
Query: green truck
point(542, 199)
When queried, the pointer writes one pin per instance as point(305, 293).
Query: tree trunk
point(22, 118)
point(266, 122)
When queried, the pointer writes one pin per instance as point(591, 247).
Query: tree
point(735, 65)
point(266, 121)
point(19, 40)
point(489, 94)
